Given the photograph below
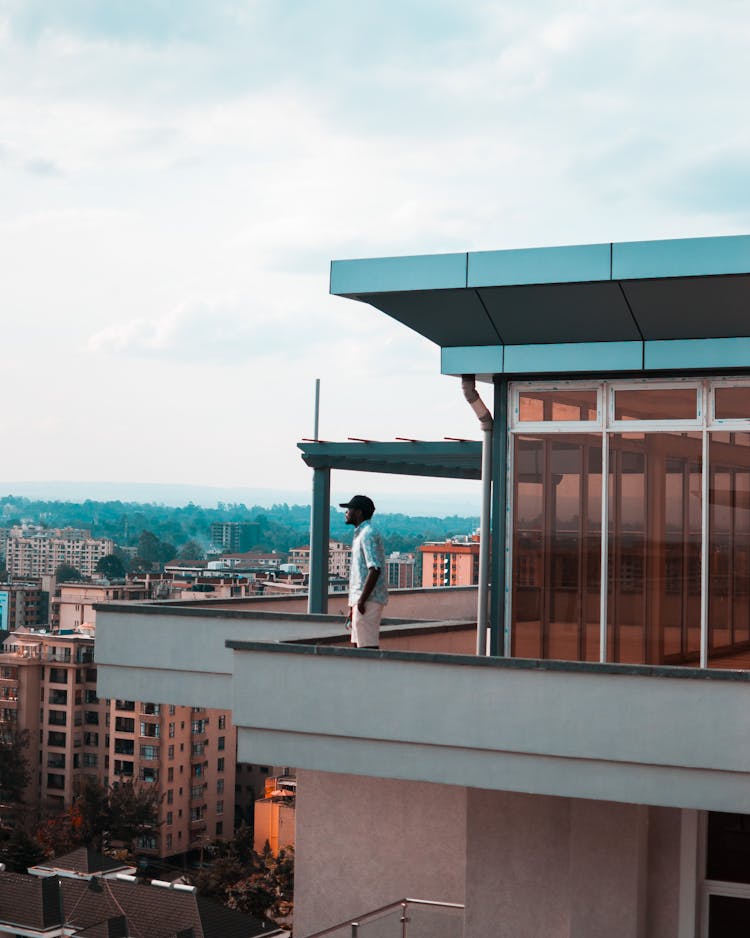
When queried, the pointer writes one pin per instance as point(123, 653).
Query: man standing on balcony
point(368, 592)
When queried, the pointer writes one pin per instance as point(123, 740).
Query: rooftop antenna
point(317, 408)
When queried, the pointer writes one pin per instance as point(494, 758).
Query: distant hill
point(207, 496)
point(281, 525)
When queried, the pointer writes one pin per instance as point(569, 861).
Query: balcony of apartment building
point(603, 660)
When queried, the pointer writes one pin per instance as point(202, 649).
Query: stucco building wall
point(373, 841)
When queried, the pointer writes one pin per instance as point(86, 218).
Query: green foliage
point(261, 884)
point(191, 551)
point(170, 529)
point(15, 773)
point(100, 816)
point(67, 574)
point(19, 847)
point(111, 567)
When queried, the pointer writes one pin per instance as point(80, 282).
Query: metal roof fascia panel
point(567, 264)
point(681, 257)
point(561, 358)
point(471, 360)
point(688, 354)
point(395, 274)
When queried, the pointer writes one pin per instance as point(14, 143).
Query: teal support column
point(320, 522)
point(500, 520)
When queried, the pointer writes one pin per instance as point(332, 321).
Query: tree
point(152, 550)
point(133, 810)
point(20, 848)
point(15, 773)
point(111, 567)
point(192, 550)
point(100, 815)
point(66, 573)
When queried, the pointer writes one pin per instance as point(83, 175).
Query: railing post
point(404, 919)
point(355, 929)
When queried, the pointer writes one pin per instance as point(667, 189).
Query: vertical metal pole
point(604, 563)
point(317, 409)
point(499, 517)
point(404, 919)
point(355, 929)
point(484, 543)
point(317, 599)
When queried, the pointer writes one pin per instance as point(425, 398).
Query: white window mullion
point(509, 536)
point(705, 480)
point(604, 574)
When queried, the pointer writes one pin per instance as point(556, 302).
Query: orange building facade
point(453, 562)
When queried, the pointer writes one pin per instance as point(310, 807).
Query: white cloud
point(175, 185)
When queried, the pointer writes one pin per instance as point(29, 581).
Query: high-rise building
point(580, 766)
point(36, 551)
point(235, 536)
point(48, 687)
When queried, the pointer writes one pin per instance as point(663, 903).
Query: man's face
point(353, 516)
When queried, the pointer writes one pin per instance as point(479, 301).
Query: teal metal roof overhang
point(633, 306)
point(446, 459)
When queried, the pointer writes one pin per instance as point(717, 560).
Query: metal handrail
point(358, 920)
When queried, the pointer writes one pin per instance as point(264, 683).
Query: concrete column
point(320, 520)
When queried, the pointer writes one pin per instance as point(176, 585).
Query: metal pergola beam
point(446, 459)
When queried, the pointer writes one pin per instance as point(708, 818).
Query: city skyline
point(176, 179)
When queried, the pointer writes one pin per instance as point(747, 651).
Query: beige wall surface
point(570, 868)
point(365, 842)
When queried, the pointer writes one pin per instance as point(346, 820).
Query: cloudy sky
point(176, 175)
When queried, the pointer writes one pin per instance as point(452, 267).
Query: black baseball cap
point(359, 501)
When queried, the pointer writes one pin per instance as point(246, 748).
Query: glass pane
point(732, 403)
point(556, 546)
point(653, 605)
point(568, 404)
point(728, 854)
point(426, 921)
point(729, 553)
point(387, 925)
point(728, 917)
point(656, 404)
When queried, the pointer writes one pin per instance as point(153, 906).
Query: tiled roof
point(83, 860)
point(101, 908)
point(29, 901)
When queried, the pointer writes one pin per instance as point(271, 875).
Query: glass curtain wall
point(662, 520)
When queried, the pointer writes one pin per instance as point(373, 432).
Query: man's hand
point(361, 606)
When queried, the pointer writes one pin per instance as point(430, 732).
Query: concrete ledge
point(668, 736)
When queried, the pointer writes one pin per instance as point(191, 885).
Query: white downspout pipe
point(468, 386)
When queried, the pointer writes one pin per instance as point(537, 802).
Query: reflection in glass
point(656, 403)
point(653, 605)
point(556, 551)
point(729, 547)
point(732, 403)
point(576, 405)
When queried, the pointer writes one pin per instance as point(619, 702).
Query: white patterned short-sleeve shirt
point(367, 551)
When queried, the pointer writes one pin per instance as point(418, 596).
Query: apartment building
point(48, 686)
point(235, 536)
point(400, 570)
point(453, 562)
point(23, 605)
point(73, 604)
point(339, 559)
point(35, 551)
point(579, 765)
